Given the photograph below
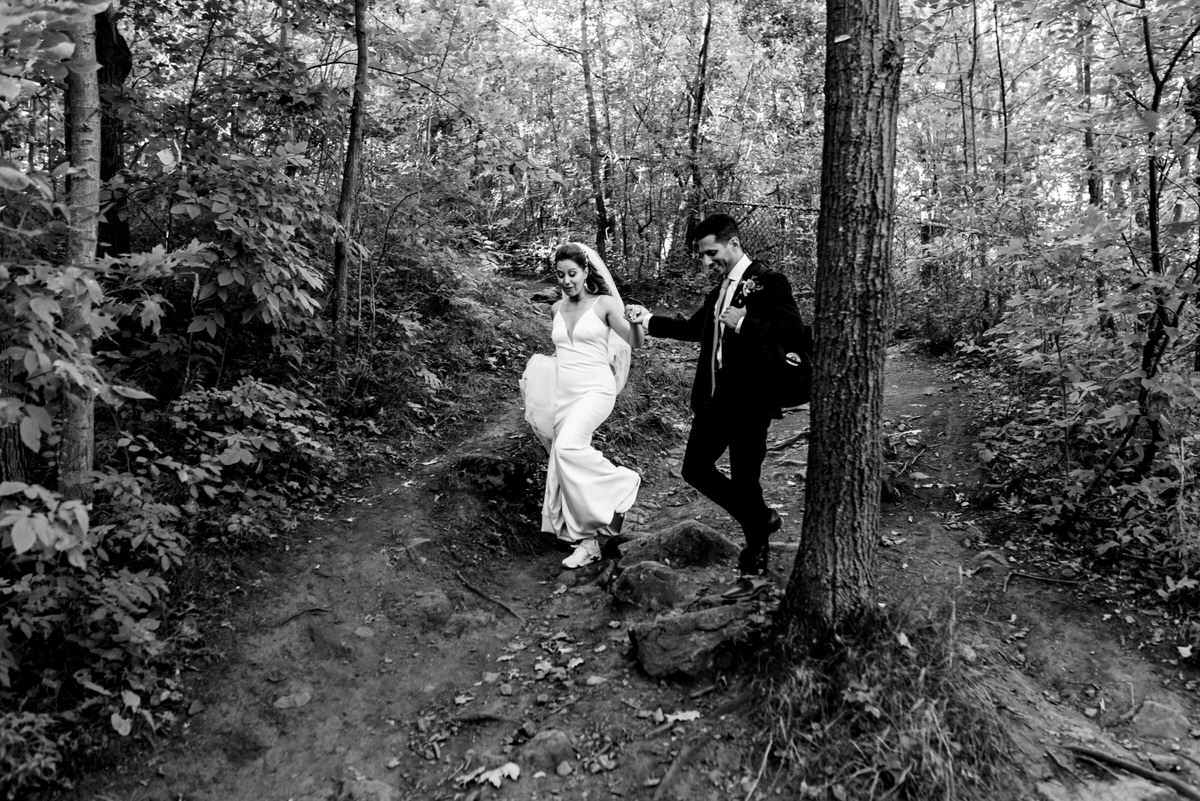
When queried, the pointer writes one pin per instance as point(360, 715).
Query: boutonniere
point(750, 286)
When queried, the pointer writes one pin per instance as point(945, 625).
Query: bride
point(569, 396)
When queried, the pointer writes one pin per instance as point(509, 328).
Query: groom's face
point(719, 254)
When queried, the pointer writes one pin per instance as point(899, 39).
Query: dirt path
point(400, 651)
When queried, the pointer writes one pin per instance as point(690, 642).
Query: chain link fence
point(783, 236)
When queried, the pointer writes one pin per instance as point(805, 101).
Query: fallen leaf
point(121, 726)
point(675, 717)
point(496, 776)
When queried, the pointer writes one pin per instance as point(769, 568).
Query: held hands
point(636, 314)
point(732, 316)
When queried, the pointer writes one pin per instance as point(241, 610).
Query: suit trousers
point(718, 427)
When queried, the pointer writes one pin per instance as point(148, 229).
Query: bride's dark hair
point(571, 251)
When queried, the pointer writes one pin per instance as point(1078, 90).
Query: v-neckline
point(571, 331)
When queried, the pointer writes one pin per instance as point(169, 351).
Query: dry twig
point(487, 597)
point(682, 758)
point(1036, 577)
point(792, 440)
point(312, 610)
point(1183, 788)
point(762, 766)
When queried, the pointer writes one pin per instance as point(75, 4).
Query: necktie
point(716, 349)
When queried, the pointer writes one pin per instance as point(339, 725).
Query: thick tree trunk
point(348, 200)
point(595, 155)
point(116, 62)
point(834, 575)
point(76, 446)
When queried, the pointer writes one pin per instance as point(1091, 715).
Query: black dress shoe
point(745, 588)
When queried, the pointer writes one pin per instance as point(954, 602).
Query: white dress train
point(583, 489)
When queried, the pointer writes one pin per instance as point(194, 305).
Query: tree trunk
point(1094, 186)
point(834, 575)
point(285, 24)
point(348, 200)
point(595, 156)
point(76, 446)
point(116, 62)
point(1004, 120)
point(12, 450)
point(689, 200)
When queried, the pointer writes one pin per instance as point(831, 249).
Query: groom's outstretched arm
point(676, 327)
point(690, 329)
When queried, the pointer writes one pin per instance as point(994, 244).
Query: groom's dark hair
point(722, 226)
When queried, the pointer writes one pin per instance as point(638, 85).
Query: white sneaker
point(586, 552)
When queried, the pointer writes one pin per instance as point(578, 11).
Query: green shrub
point(242, 455)
point(29, 753)
point(1093, 437)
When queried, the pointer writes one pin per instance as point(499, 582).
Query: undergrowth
point(898, 708)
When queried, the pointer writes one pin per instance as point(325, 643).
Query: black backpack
point(793, 363)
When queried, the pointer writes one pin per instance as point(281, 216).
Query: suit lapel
point(752, 271)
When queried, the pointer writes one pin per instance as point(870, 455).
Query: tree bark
point(1095, 186)
point(689, 199)
point(12, 450)
point(348, 199)
point(1004, 118)
point(76, 446)
point(116, 62)
point(595, 155)
point(834, 575)
point(285, 24)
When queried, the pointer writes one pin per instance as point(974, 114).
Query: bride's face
point(571, 277)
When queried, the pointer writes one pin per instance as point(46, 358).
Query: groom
point(733, 395)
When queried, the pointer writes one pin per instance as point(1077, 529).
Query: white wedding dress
point(583, 489)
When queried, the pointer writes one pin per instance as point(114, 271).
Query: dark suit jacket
point(747, 357)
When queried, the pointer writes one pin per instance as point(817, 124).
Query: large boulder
point(688, 543)
point(650, 585)
point(1161, 721)
point(693, 643)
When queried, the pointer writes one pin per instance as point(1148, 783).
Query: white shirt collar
point(739, 269)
